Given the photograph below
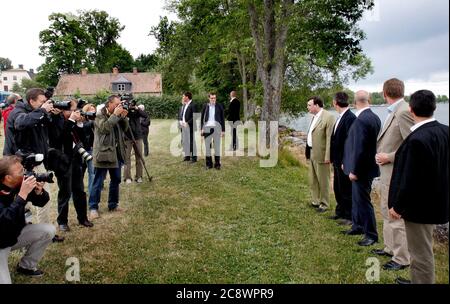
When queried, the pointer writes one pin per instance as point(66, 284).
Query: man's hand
point(124, 113)
point(353, 177)
point(39, 188)
point(28, 184)
point(382, 159)
point(118, 110)
point(75, 116)
point(394, 214)
point(222, 134)
point(327, 162)
point(55, 111)
point(47, 106)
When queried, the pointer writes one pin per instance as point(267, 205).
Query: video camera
point(88, 115)
point(31, 160)
point(61, 105)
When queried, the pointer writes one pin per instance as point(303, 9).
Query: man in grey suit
point(396, 128)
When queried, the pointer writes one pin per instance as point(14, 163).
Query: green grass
point(243, 224)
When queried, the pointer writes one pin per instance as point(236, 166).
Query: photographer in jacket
point(109, 153)
point(66, 136)
point(15, 191)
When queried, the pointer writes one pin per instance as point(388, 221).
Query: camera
point(31, 160)
point(128, 102)
point(84, 154)
point(88, 115)
point(62, 105)
point(81, 103)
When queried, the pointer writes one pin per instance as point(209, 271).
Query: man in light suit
point(359, 164)
point(395, 129)
point(419, 185)
point(213, 129)
point(341, 183)
point(318, 147)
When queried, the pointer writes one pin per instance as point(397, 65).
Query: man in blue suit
point(359, 164)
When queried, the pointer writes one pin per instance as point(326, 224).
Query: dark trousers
point(145, 140)
point(343, 193)
point(234, 142)
point(71, 185)
point(211, 134)
point(188, 141)
point(363, 215)
point(99, 177)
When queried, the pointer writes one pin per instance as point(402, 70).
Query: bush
point(166, 106)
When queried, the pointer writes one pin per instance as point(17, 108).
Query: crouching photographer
point(15, 191)
point(66, 159)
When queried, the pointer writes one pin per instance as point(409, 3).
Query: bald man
point(359, 164)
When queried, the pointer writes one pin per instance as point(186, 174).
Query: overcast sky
point(408, 39)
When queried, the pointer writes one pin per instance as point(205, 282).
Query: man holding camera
point(109, 153)
point(28, 124)
point(15, 191)
point(133, 140)
point(66, 137)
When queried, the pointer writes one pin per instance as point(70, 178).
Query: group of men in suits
point(409, 153)
point(212, 124)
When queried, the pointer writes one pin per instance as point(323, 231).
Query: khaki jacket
point(321, 137)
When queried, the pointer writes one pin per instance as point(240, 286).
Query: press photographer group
point(46, 138)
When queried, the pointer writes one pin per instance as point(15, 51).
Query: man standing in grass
point(419, 186)
point(396, 128)
point(318, 147)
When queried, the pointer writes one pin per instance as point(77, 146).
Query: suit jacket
point(361, 146)
point(234, 110)
point(218, 117)
point(189, 115)
point(338, 138)
point(419, 184)
point(321, 137)
point(395, 130)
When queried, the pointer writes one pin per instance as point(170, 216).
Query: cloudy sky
point(407, 39)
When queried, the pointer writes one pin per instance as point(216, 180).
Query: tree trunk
point(270, 55)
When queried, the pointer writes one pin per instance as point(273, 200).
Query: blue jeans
point(99, 177)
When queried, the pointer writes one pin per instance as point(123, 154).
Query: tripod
point(138, 154)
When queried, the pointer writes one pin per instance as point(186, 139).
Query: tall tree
point(86, 40)
point(5, 64)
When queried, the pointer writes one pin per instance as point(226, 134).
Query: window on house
point(5, 88)
point(121, 87)
point(5, 78)
point(14, 77)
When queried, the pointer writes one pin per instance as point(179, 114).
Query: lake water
point(301, 122)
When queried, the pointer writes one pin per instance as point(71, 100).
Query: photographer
point(134, 141)
point(15, 191)
point(9, 105)
point(109, 153)
point(66, 136)
point(145, 127)
point(88, 126)
point(27, 130)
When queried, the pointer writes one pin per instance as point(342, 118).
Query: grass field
point(243, 224)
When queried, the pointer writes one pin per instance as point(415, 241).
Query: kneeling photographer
point(66, 160)
point(15, 191)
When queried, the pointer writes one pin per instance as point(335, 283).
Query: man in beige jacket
point(318, 151)
point(395, 129)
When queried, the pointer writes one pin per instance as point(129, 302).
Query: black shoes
point(322, 209)
point(187, 158)
point(352, 232)
point(391, 265)
point(87, 223)
point(402, 281)
point(58, 239)
point(381, 252)
point(334, 217)
point(366, 242)
point(28, 272)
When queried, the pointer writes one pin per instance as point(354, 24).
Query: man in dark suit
point(419, 185)
point(234, 117)
point(359, 164)
point(187, 125)
point(341, 183)
point(213, 127)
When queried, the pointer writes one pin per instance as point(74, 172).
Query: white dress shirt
point(418, 125)
point(184, 112)
point(339, 119)
point(311, 128)
point(212, 114)
point(361, 110)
